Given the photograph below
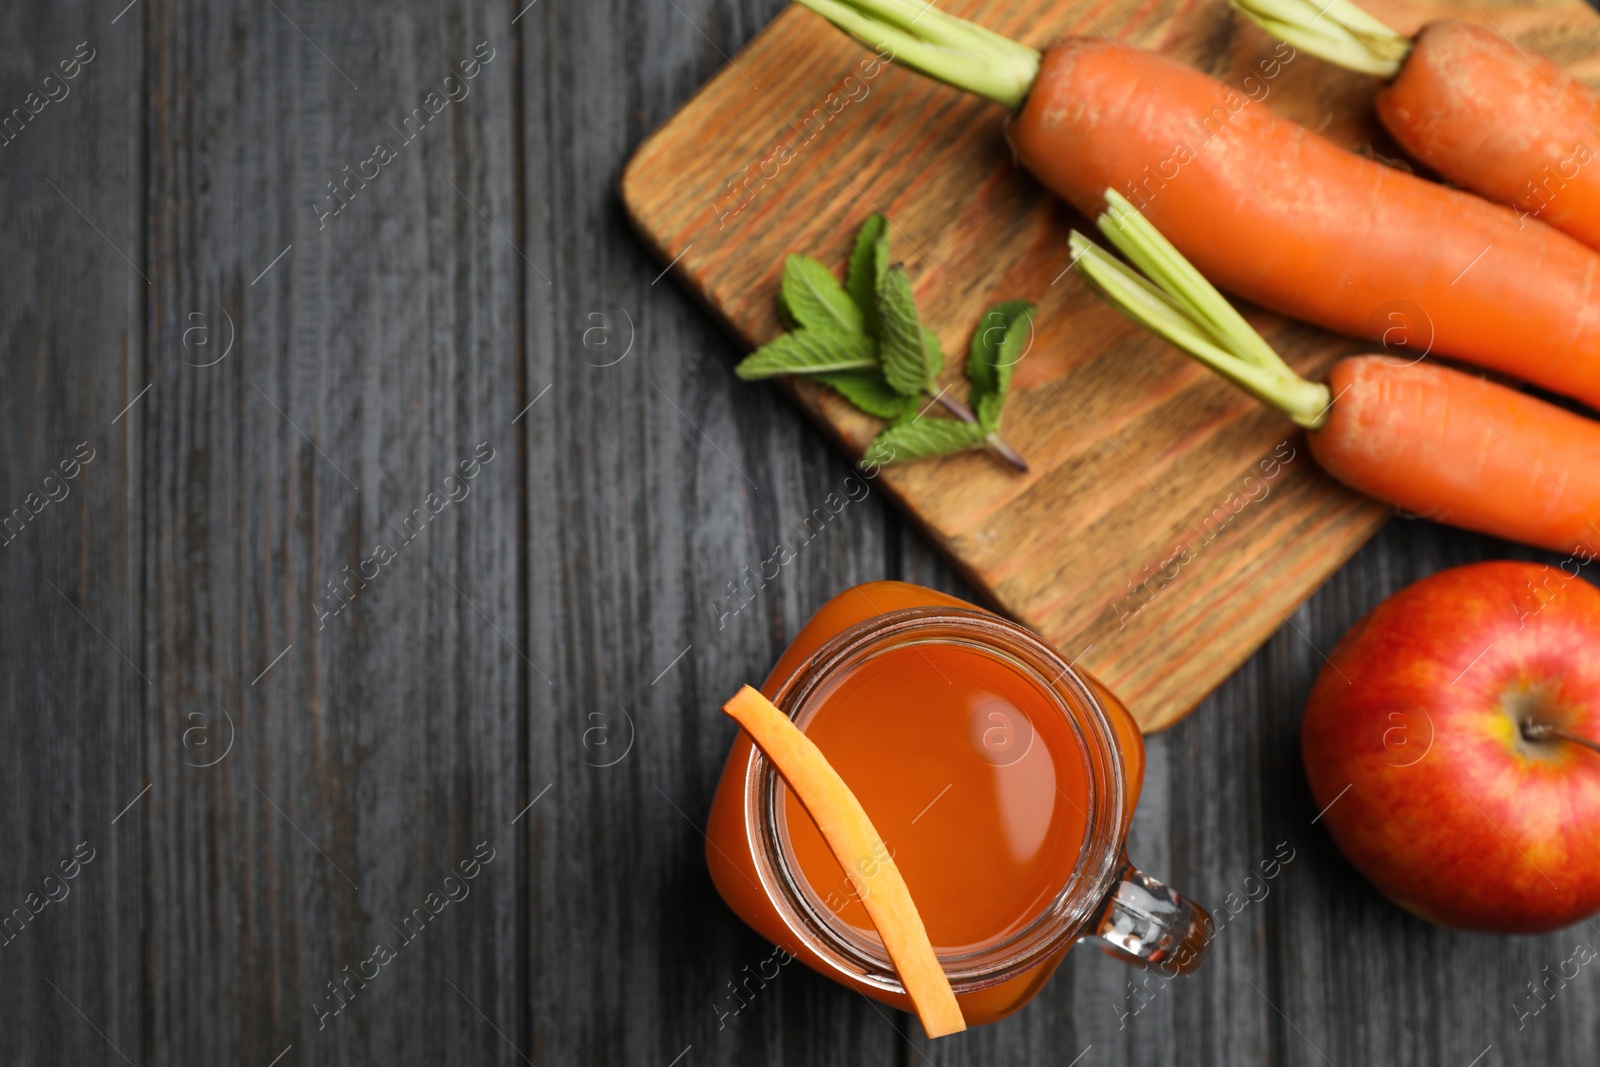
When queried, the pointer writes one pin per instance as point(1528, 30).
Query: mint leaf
point(987, 407)
point(932, 354)
point(901, 341)
point(923, 439)
point(867, 265)
point(997, 347)
point(809, 352)
point(814, 298)
point(867, 390)
point(988, 367)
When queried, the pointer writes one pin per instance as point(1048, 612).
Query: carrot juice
point(980, 812)
point(1001, 780)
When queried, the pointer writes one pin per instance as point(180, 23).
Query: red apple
point(1453, 746)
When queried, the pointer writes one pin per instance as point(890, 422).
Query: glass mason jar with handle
point(1001, 779)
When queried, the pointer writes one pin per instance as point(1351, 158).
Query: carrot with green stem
point(1467, 102)
point(1446, 445)
point(1267, 209)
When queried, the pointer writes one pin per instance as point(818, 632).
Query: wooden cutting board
point(1169, 524)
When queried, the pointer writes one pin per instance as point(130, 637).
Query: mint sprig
point(866, 340)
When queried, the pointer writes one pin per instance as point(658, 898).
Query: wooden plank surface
point(75, 671)
point(324, 588)
point(592, 552)
point(1140, 457)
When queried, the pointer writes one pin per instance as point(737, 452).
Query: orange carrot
point(1463, 451)
point(1434, 441)
point(1481, 111)
point(1267, 209)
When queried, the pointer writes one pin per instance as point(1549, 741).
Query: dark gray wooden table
point(264, 745)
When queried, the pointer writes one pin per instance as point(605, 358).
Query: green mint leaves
point(868, 263)
point(901, 344)
point(814, 299)
point(998, 345)
point(866, 341)
point(868, 391)
point(810, 352)
point(925, 438)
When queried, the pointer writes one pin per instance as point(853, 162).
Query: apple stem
point(1540, 731)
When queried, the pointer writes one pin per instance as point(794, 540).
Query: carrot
point(1267, 209)
point(1434, 441)
point(1467, 102)
point(1463, 451)
point(860, 851)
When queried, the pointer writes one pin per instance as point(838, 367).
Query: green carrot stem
point(1153, 254)
point(955, 51)
point(1335, 30)
point(1177, 303)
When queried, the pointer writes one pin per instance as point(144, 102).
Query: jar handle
point(1145, 922)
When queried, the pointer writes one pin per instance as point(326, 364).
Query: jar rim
point(1076, 901)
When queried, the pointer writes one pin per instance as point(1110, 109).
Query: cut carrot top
point(860, 851)
point(955, 51)
point(1336, 30)
point(1178, 303)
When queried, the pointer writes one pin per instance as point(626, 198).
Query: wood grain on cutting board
point(1169, 523)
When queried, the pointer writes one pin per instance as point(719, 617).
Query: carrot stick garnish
point(860, 851)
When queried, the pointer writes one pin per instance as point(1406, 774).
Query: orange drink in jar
point(1001, 779)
